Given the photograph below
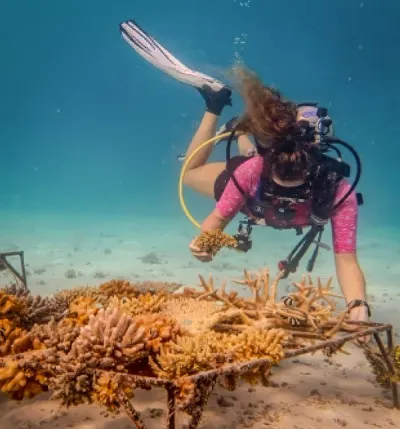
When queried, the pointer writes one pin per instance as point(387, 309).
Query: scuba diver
point(285, 179)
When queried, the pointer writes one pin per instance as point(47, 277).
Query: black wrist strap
point(359, 303)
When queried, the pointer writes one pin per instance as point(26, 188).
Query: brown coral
point(57, 336)
point(110, 340)
point(119, 288)
point(213, 241)
point(71, 295)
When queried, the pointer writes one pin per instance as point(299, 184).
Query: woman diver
point(280, 183)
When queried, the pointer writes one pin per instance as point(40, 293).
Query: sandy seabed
point(309, 392)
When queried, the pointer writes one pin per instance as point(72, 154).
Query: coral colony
point(97, 344)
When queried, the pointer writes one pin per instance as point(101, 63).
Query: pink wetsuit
point(344, 220)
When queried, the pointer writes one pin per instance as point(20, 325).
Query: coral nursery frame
point(5, 264)
point(205, 381)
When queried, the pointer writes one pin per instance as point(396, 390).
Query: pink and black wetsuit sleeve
point(344, 219)
point(247, 176)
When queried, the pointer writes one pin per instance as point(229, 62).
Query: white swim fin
point(148, 48)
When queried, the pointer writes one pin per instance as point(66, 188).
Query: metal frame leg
point(389, 364)
point(21, 277)
point(171, 418)
point(203, 390)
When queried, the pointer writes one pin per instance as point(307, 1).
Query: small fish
point(181, 157)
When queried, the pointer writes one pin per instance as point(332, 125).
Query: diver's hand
point(360, 314)
point(198, 254)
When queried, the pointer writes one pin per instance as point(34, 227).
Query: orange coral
point(81, 309)
point(11, 306)
point(13, 339)
point(22, 382)
point(159, 329)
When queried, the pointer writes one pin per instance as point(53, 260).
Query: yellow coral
point(397, 357)
point(106, 389)
point(143, 304)
point(379, 367)
point(188, 355)
point(194, 315)
point(258, 343)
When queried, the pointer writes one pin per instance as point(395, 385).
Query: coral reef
point(213, 241)
point(37, 309)
point(85, 343)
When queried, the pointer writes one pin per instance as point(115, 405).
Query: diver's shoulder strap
point(324, 187)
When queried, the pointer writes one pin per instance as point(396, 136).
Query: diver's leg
point(206, 131)
point(199, 175)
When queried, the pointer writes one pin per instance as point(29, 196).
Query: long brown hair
point(273, 122)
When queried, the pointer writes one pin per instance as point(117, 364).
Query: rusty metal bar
point(171, 392)
point(391, 369)
point(204, 389)
point(130, 410)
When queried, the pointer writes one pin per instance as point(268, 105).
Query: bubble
point(245, 3)
point(239, 44)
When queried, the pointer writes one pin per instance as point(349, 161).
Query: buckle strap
point(359, 303)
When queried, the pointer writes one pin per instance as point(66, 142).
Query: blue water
point(89, 131)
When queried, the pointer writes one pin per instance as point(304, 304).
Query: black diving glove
point(228, 127)
point(216, 100)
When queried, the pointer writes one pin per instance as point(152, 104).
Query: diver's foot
point(216, 100)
